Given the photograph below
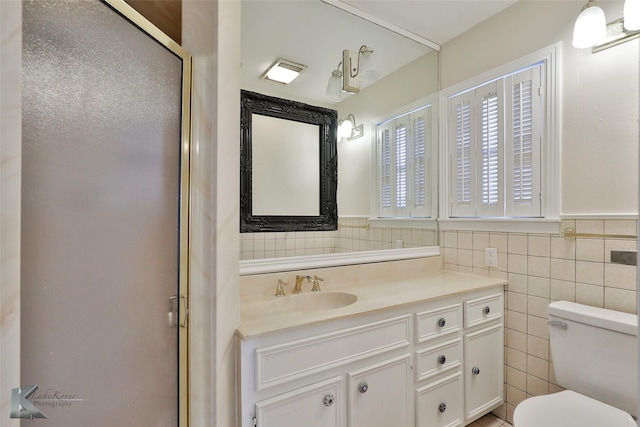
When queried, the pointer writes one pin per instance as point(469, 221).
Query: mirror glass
point(293, 188)
point(314, 34)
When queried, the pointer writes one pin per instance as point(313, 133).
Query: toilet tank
point(596, 354)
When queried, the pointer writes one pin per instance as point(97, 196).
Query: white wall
point(599, 101)
point(409, 84)
point(211, 32)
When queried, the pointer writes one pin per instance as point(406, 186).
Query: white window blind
point(404, 150)
point(385, 169)
point(401, 166)
point(524, 135)
point(494, 145)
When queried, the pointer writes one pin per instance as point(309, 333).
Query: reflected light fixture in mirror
point(283, 71)
point(348, 129)
point(334, 87)
point(359, 69)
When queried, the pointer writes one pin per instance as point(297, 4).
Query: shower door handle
point(174, 312)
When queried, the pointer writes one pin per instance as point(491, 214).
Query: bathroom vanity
point(418, 350)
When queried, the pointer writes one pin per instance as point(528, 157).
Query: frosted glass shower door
point(103, 222)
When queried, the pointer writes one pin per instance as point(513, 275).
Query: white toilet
point(595, 358)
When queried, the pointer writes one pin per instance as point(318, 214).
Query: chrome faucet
point(297, 289)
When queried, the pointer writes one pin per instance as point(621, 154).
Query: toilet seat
point(569, 409)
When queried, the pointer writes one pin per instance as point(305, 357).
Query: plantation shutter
point(421, 170)
point(489, 146)
point(404, 165)
point(463, 158)
point(524, 134)
point(385, 193)
point(402, 130)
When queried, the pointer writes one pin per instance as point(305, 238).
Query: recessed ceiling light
point(283, 71)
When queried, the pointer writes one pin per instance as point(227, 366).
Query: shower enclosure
point(104, 218)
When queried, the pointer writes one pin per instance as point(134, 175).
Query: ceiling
point(314, 33)
point(435, 20)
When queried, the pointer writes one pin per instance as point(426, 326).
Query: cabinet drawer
point(439, 322)
point(483, 310)
point(281, 363)
point(437, 359)
point(317, 405)
point(440, 404)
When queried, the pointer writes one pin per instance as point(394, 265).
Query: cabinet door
point(483, 370)
point(317, 405)
point(379, 394)
point(439, 404)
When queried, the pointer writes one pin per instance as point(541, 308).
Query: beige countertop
point(373, 295)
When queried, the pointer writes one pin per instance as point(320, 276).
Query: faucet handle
point(316, 284)
point(280, 288)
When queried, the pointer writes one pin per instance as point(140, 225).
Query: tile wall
point(354, 234)
point(540, 269)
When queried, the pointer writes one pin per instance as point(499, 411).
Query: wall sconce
point(283, 71)
point(591, 28)
point(357, 69)
point(347, 128)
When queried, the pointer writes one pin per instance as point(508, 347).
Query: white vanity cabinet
point(483, 354)
point(317, 405)
point(403, 367)
point(379, 394)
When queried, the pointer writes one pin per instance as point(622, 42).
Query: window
point(404, 150)
point(495, 140)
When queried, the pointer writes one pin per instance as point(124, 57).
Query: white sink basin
point(312, 301)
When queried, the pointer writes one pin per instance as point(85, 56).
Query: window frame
point(430, 222)
point(550, 150)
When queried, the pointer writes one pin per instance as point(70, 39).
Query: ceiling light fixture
point(347, 128)
point(359, 69)
point(283, 71)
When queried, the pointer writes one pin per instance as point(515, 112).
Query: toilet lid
point(569, 409)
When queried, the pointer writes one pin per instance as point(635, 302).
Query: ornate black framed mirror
point(288, 165)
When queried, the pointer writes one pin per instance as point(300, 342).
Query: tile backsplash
point(541, 268)
point(353, 234)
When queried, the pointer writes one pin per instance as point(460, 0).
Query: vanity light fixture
point(632, 15)
point(334, 87)
point(592, 31)
point(590, 27)
point(357, 70)
point(347, 128)
point(283, 71)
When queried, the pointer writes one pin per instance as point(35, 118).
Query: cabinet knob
point(442, 407)
point(486, 309)
point(363, 387)
point(441, 322)
point(329, 399)
point(475, 370)
point(442, 359)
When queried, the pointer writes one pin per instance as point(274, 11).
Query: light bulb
point(345, 129)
